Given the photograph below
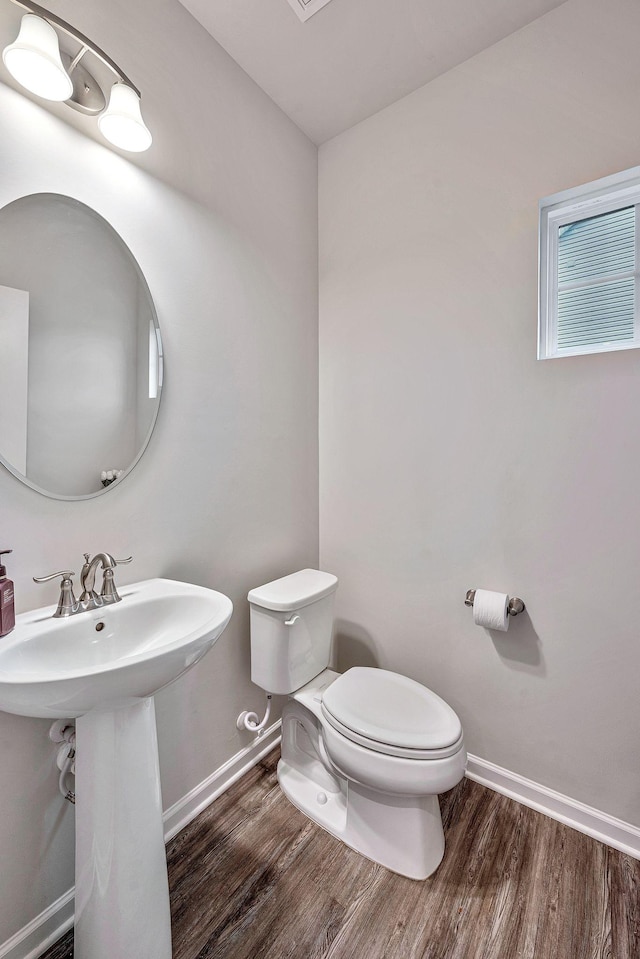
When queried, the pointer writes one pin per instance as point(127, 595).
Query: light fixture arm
point(86, 44)
point(78, 57)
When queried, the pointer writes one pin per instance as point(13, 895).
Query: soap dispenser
point(7, 606)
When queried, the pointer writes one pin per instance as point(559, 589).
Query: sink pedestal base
point(122, 891)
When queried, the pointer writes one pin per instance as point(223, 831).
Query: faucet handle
point(109, 593)
point(66, 574)
point(67, 603)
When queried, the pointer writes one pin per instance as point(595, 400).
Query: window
point(590, 268)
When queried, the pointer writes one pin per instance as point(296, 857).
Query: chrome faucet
point(88, 577)
point(89, 599)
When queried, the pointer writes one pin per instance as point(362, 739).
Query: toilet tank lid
point(294, 591)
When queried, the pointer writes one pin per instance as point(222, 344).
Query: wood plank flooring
point(252, 878)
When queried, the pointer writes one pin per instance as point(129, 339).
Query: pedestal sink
point(103, 668)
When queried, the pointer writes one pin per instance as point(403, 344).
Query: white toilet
point(365, 753)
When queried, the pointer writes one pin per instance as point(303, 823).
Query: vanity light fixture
point(37, 63)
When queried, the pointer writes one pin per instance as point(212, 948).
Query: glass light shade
point(34, 60)
point(122, 123)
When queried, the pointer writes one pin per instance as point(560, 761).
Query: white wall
point(450, 457)
point(221, 216)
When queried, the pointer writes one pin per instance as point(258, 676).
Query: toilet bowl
point(364, 753)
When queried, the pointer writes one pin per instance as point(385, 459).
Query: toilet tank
point(291, 627)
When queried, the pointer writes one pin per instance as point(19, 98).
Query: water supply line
point(250, 721)
point(65, 791)
point(63, 734)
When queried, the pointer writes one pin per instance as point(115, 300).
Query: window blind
point(596, 280)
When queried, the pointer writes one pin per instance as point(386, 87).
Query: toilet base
point(402, 833)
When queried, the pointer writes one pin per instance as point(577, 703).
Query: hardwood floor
point(252, 878)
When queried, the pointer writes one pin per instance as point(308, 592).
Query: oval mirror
point(80, 349)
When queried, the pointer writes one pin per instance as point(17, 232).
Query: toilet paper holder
point(514, 606)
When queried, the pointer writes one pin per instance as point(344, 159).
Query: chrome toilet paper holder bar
point(514, 606)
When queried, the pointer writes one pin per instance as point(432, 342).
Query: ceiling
point(354, 57)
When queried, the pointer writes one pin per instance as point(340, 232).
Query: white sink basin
point(66, 667)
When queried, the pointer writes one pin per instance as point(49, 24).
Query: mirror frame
point(154, 316)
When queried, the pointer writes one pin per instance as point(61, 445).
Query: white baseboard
point(599, 825)
point(36, 937)
point(41, 933)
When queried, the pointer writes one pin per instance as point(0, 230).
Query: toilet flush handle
point(290, 622)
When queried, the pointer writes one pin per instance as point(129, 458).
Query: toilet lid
point(384, 707)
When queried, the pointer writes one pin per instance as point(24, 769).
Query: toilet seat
point(405, 752)
point(391, 714)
